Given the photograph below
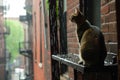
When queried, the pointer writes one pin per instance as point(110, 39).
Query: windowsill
point(40, 65)
point(82, 68)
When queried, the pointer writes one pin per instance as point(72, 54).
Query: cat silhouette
point(92, 45)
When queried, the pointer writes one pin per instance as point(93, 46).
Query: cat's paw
point(80, 62)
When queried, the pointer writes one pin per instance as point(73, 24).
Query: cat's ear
point(76, 11)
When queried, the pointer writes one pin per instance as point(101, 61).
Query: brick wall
point(108, 24)
point(73, 43)
point(39, 47)
point(2, 59)
point(2, 72)
point(2, 63)
point(38, 70)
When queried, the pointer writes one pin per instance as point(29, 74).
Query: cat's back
point(91, 34)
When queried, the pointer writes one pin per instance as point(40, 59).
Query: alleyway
point(44, 39)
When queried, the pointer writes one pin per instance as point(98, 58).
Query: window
point(35, 36)
point(45, 12)
point(40, 32)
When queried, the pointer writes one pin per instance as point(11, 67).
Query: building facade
point(41, 39)
point(26, 51)
point(2, 43)
point(2, 52)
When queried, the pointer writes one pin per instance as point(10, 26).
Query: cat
point(92, 45)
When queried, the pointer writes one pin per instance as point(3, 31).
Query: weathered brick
point(110, 0)
point(106, 37)
point(103, 19)
point(107, 18)
point(71, 72)
point(112, 27)
point(72, 39)
point(73, 50)
point(73, 5)
point(72, 34)
point(113, 37)
point(73, 44)
point(103, 2)
point(112, 6)
point(105, 28)
point(105, 9)
point(112, 17)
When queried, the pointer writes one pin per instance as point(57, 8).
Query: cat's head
point(77, 17)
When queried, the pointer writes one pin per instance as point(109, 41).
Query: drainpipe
point(92, 11)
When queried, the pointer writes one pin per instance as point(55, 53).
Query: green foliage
point(47, 4)
point(16, 35)
point(57, 6)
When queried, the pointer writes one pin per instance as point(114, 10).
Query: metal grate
point(25, 48)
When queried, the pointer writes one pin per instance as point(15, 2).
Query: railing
point(108, 71)
point(25, 48)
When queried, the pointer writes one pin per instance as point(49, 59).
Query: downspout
point(92, 11)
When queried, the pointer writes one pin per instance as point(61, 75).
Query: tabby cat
point(92, 46)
